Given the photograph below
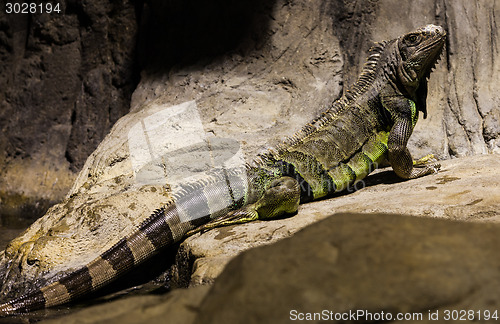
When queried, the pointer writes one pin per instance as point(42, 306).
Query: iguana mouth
point(436, 46)
point(12, 278)
point(8, 276)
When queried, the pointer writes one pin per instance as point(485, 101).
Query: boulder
point(377, 266)
point(279, 67)
point(437, 254)
point(465, 189)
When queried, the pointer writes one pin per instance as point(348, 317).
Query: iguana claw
point(428, 162)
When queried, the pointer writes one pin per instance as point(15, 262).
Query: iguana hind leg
point(281, 197)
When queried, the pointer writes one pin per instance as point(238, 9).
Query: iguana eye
point(412, 39)
point(31, 261)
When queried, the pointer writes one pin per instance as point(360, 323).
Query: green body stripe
point(361, 165)
point(343, 176)
point(414, 113)
point(376, 148)
point(312, 171)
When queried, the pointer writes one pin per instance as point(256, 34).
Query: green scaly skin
point(370, 124)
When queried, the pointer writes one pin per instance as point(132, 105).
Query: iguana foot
point(239, 216)
point(429, 158)
point(428, 162)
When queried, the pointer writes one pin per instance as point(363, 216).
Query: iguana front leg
point(405, 115)
point(399, 155)
point(281, 197)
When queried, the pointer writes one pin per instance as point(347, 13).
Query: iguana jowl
point(371, 123)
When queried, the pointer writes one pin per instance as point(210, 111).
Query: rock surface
point(65, 79)
point(364, 260)
point(349, 262)
point(464, 189)
point(176, 307)
point(277, 72)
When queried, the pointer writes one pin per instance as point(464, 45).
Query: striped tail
point(163, 228)
point(159, 230)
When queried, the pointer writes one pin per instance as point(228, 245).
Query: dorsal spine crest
point(366, 78)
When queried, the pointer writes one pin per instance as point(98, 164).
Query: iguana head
point(419, 52)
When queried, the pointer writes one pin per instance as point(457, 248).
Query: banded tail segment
point(163, 228)
point(153, 233)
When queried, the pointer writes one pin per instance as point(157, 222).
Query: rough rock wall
point(464, 91)
point(65, 79)
point(472, 113)
point(269, 77)
point(273, 76)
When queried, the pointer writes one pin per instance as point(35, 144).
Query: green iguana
point(369, 124)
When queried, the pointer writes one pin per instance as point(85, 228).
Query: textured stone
point(66, 78)
point(465, 189)
point(276, 74)
point(275, 79)
point(372, 262)
point(177, 307)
